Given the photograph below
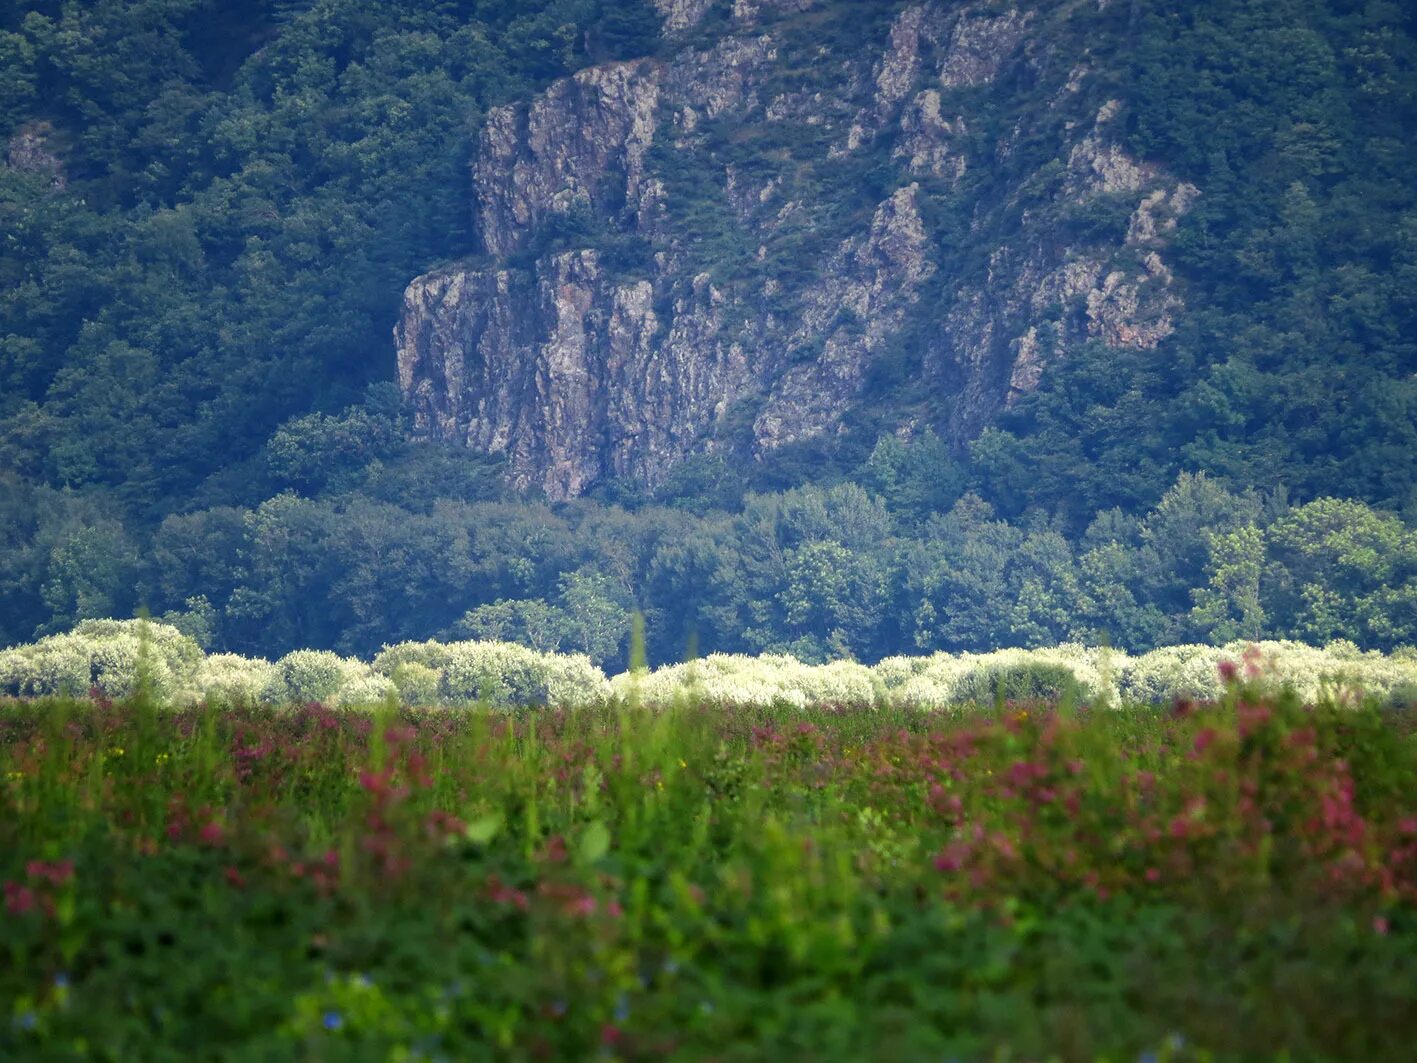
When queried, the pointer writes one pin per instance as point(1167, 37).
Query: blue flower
point(26, 1021)
point(333, 1020)
point(1148, 1057)
point(558, 1008)
point(622, 1009)
point(363, 980)
point(61, 981)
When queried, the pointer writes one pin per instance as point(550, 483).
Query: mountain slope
point(826, 217)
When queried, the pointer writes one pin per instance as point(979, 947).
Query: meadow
point(1011, 880)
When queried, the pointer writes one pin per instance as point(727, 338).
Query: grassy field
point(1025, 882)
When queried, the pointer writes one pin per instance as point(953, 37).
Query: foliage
point(112, 655)
point(106, 654)
point(799, 883)
point(197, 414)
point(496, 673)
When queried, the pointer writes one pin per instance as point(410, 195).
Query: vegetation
point(196, 415)
point(1230, 880)
point(121, 658)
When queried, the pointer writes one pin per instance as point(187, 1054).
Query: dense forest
point(210, 210)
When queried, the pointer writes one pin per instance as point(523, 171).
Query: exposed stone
point(29, 150)
point(979, 46)
point(680, 15)
point(926, 141)
point(751, 12)
point(871, 280)
point(669, 331)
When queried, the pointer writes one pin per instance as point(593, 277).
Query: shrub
point(945, 680)
point(740, 680)
point(502, 673)
point(106, 654)
point(319, 675)
point(417, 684)
point(233, 678)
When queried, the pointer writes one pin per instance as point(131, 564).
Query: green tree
point(1228, 606)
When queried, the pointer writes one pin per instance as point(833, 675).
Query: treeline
point(904, 556)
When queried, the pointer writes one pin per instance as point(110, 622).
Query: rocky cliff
point(805, 218)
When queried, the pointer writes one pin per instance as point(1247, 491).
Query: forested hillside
point(211, 211)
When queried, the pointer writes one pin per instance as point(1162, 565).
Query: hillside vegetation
point(211, 211)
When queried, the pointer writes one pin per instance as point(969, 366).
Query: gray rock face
point(723, 249)
point(29, 150)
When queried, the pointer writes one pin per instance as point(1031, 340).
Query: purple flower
point(333, 1020)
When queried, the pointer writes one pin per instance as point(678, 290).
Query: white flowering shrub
point(1095, 675)
point(106, 654)
point(502, 673)
point(56, 665)
point(417, 684)
point(319, 675)
point(945, 680)
point(1338, 670)
point(740, 680)
point(231, 678)
point(368, 688)
point(1173, 672)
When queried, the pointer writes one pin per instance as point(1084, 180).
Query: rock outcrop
point(742, 245)
point(28, 150)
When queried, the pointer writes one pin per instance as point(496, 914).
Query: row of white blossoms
point(111, 655)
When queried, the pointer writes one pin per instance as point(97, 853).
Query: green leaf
point(481, 831)
point(595, 842)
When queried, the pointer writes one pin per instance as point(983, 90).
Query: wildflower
point(212, 833)
point(1228, 671)
point(332, 1020)
point(27, 1021)
point(61, 981)
point(622, 1009)
point(559, 1008)
point(1380, 925)
point(19, 899)
point(609, 1035)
